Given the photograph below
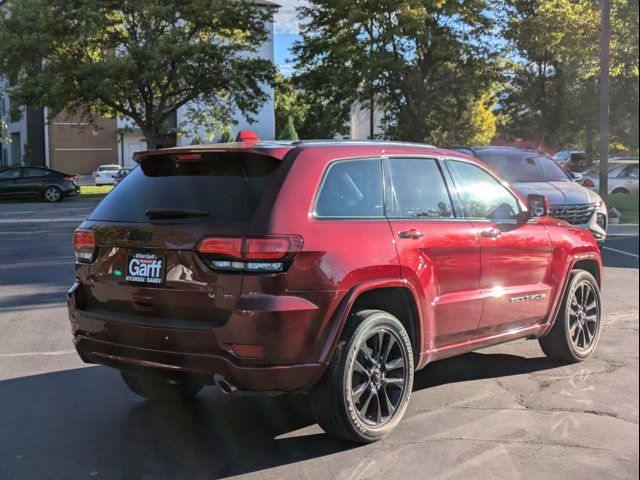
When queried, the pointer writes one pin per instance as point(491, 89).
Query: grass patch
point(626, 204)
point(95, 189)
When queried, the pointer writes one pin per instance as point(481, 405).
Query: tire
point(576, 331)
point(370, 410)
point(158, 387)
point(621, 191)
point(52, 194)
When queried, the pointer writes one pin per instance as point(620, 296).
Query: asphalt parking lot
point(504, 412)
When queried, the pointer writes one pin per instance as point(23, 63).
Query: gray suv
point(531, 171)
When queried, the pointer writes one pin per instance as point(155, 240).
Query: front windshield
point(518, 166)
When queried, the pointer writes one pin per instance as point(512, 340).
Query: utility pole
point(605, 27)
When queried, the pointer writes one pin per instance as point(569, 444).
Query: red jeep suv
point(331, 268)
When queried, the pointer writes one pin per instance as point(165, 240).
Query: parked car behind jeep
point(37, 182)
point(532, 171)
point(334, 269)
point(623, 177)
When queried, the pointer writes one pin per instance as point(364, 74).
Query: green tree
point(289, 104)
point(227, 135)
point(4, 132)
point(556, 45)
point(552, 93)
point(423, 62)
point(289, 131)
point(624, 75)
point(141, 59)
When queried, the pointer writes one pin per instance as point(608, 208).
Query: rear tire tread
point(331, 414)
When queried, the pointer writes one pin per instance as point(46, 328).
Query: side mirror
point(576, 176)
point(538, 205)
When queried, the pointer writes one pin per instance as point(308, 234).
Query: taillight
point(588, 183)
point(270, 254)
point(84, 245)
point(231, 247)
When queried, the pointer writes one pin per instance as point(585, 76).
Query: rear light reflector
point(270, 254)
point(231, 247)
point(84, 245)
point(247, 351)
point(588, 183)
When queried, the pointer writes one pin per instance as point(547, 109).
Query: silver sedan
point(623, 176)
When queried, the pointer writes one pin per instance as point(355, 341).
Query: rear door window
point(630, 172)
point(223, 188)
point(352, 189)
point(35, 172)
point(418, 189)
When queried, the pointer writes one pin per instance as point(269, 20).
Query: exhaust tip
point(224, 385)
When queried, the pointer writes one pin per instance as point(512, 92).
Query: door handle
point(491, 233)
point(412, 234)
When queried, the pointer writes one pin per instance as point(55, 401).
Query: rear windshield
point(524, 166)
point(108, 169)
point(222, 188)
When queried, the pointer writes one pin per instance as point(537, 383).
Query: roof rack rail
point(359, 142)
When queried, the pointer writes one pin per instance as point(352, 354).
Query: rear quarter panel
point(338, 255)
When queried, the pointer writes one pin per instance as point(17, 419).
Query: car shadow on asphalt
point(83, 422)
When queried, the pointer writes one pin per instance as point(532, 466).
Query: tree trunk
point(372, 127)
point(153, 138)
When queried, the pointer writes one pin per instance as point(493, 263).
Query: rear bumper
point(287, 328)
point(275, 378)
point(72, 192)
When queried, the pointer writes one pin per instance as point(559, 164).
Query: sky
point(286, 32)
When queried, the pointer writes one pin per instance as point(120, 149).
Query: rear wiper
point(174, 213)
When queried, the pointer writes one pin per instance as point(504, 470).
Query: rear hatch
point(146, 267)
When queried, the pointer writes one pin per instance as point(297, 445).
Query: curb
point(77, 220)
point(629, 229)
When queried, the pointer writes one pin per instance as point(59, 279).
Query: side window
point(630, 172)
point(418, 189)
point(11, 173)
point(481, 195)
point(352, 189)
point(34, 172)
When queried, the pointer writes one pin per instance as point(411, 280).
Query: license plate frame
point(144, 268)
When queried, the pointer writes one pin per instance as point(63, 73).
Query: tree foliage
point(141, 59)
point(290, 104)
point(552, 92)
point(423, 62)
point(4, 132)
point(289, 131)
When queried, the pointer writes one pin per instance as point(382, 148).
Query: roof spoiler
point(247, 136)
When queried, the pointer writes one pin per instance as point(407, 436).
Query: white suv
point(534, 172)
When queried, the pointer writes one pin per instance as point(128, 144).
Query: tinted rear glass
point(227, 186)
